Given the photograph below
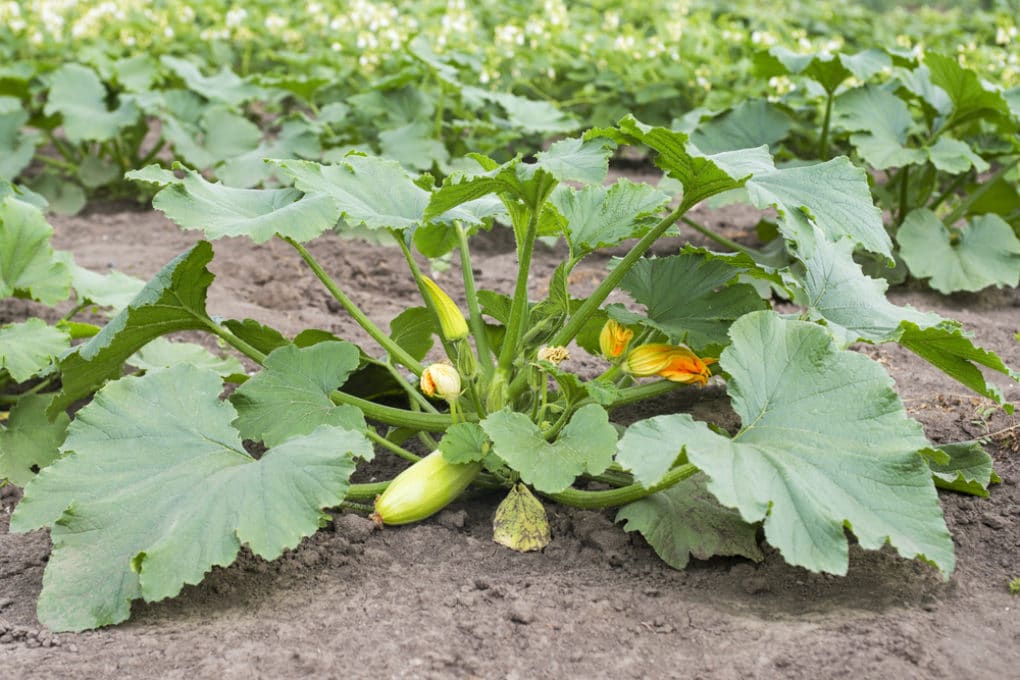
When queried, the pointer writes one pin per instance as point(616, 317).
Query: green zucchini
point(423, 489)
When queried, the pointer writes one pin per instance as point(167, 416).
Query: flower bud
point(441, 380)
point(451, 320)
point(672, 362)
point(614, 338)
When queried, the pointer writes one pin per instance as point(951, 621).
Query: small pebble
point(521, 613)
point(993, 521)
point(354, 528)
point(452, 519)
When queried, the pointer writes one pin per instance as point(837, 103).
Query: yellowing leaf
point(520, 522)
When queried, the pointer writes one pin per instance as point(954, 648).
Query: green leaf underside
point(290, 396)
point(969, 469)
point(27, 261)
point(825, 446)
point(987, 252)
point(689, 297)
point(163, 353)
point(159, 489)
point(31, 441)
point(174, 300)
point(30, 347)
point(687, 521)
point(464, 443)
point(586, 444)
point(259, 214)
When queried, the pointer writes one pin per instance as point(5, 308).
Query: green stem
point(904, 208)
point(519, 304)
point(474, 310)
point(431, 422)
point(142, 162)
point(57, 163)
point(366, 492)
point(390, 446)
point(949, 191)
point(395, 350)
point(823, 145)
point(973, 196)
point(612, 280)
point(718, 238)
point(594, 500)
point(234, 341)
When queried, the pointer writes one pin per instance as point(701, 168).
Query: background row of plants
point(225, 87)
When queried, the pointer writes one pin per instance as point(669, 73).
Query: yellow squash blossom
point(672, 362)
point(614, 338)
point(451, 319)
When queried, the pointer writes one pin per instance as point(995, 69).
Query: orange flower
point(613, 339)
point(673, 362)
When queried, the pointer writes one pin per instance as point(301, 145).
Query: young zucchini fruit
point(423, 489)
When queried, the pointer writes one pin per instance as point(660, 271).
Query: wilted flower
point(441, 380)
point(614, 338)
point(451, 320)
point(553, 355)
point(672, 362)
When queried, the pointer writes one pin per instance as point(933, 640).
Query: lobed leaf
point(31, 440)
point(157, 489)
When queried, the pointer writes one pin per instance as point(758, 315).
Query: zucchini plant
point(154, 483)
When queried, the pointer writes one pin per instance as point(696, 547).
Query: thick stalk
point(395, 350)
point(718, 238)
point(474, 311)
point(594, 500)
point(519, 305)
point(612, 280)
point(823, 145)
point(365, 492)
point(904, 207)
point(390, 446)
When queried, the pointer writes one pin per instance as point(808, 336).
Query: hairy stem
point(396, 351)
point(474, 311)
point(718, 238)
point(593, 500)
point(519, 305)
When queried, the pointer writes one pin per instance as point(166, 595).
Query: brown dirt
point(440, 600)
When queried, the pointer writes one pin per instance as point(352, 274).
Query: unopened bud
point(441, 380)
point(451, 320)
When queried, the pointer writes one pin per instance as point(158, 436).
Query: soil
point(440, 600)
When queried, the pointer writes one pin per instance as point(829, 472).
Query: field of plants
point(476, 339)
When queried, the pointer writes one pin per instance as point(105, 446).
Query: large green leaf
point(825, 446)
point(833, 196)
point(599, 216)
point(31, 441)
point(114, 289)
point(79, 96)
point(367, 191)
point(984, 253)
point(414, 329)
point(174, 300)
point(586, 444)
point(577, 159)
point(16, 146)
point(882, 121)
point(687, 521)
point(27, 261)
point(158, 489)
point(748, 125)
point(224, 87)
point(691, 298)
point(30, 347)
point(855, 308)
point(971, 100)
point(259, 214)
point(413, 146)
point(220, 135)
point(290, 396)
point(164, 353)
point(700, 176)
